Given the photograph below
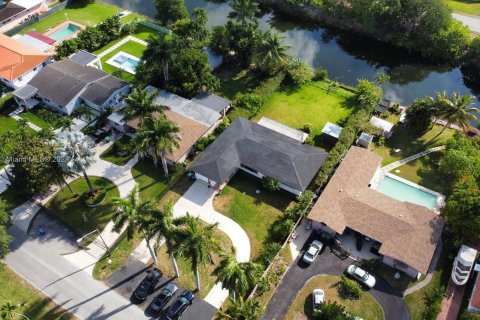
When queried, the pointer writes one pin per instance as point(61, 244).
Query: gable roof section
point(9, 10)
point(99, 91)
point(17, 58)
point(262, 149)
point(83, 57)
point(212, 101)
point(408, 232)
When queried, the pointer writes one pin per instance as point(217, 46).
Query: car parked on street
point(177, 308)
point(163, 297)
point(318, 297)
point(313, 251)
point(361, 276)
point(148, 284)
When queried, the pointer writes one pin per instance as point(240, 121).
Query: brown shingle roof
point(190, 132)
point(408, 232)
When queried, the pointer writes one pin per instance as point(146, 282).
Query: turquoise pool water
point(127, 62)
point(403, 192)
point(64, 33)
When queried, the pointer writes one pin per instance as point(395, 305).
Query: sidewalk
point(452, 303)
point(401, 162)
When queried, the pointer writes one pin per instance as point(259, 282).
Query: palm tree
point(134, 212)
point(85, 112)
point(7, 310)
point(155, 138)
point(271, 54)
point(237, 277)
point(240, 310)
point(65, 123)
point(59, 176)
point(75, 154)
point(140, 105)
point(244, 10)
point(163, 47)
point(195, 242)
point(47, 134)
point(22, 123)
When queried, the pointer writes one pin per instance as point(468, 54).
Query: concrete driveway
point(329, 264)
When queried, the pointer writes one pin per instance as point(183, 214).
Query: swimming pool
point(124, 61)
point(65, 32)
point(404, 192)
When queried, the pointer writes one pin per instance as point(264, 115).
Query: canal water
point(346, 57)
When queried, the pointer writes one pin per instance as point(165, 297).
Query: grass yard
point(236, 82)
point(410, 144)
point(254, 212)
point(366, 307)
point(31, 117)
point(464, 6)
point(111, 154)
point(71, 210)
point(309, 104)
point(88, 15)
point(187, 279)
point(30, 302)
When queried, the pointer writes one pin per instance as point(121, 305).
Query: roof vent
point(341, 190)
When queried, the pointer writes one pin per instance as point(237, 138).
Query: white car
point(318, 297)
point(312, 251)
point(361, 276)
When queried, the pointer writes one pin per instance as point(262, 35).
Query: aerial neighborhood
point(240, 159)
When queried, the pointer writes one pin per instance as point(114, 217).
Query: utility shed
point(331, 132)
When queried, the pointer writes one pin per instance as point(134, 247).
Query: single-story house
point(364, 140)
point(261, 152)
point(407, 234)
point(14, 12)
point(474, 301)
point(19, 63)
point(64, 85)
point(384, 125)
point(283, 129)
point(214, 102)
point(331, 132)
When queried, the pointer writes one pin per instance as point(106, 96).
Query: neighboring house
point(463, 265)
point(261, 152)
point(213, 102)
point(17, 11)
point(19, 63)
point(65, 85)
point(384, 125)
point(474, 301)
point(405, 234)
point(86, 59)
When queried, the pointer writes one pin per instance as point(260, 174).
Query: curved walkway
point(401, 162)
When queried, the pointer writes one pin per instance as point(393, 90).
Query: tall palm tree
point(7, 310)
point(75, 154)
point(47, 134)
point(155, 138)
point(133, 212)
point(240, 309)
point(271, 54)
point(65, 123)
point(244, 10)
point(85, 111)
point(164, 48)
point(195, 242)
point(140, 105)
point(237, 277)
point(59, 176)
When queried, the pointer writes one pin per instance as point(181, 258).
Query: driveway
point(328, 263)
point(127, 278)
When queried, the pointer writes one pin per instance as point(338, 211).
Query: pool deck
point(63, 25)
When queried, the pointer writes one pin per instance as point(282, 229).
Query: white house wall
point(389, 261)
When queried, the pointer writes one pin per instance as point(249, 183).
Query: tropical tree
point(5, 238)
point(163, 47)
point(75, 154)
point(47, 134)
point(133, 212)
point(240, 309)
point(84, 111)
point(382, 78)
point(140, 104)
point(195, 242)
point(65, 123)
point(155, 138)
point(170, 10)
point(60, 176)
point(237, 277)
point(271, 54)
point(7, 310)
point(244, 11)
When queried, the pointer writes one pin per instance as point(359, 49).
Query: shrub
point(268, 252)
point(307, 128)
point(270, 85)
point(204, 142)
point(280, 229)
point(349, 288)
point(271, 184)
point(368, 95)
point(249, 101)
point(320, 74)
point(298, 72)
point(222, 126)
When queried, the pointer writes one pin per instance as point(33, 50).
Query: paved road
point(472, 22)
point(39, 260)
point(328, 263)
point(127, 278)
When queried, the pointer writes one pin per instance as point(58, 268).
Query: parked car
point(312, 251)
point(318, 297)
point(177, 308)
point(148, 284)
point(163, 297)
point(463, 264)
point(361, 276)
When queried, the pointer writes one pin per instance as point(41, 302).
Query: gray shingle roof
point(25, 92)
point(212, 101)
point(262, 149)
point(82, 57)
point(99, 91)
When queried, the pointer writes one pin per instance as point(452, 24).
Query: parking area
point(127, 278)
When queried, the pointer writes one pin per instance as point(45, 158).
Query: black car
point(148, 284)
point(165, 295)
point(177, 308)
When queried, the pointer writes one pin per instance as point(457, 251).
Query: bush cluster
point(349, 288)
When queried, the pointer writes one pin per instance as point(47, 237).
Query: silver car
point(313, 251)
point(318, 297)
point(361, 276)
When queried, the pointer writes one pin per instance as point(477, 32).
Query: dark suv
point(148, 284)
point(177, 308)
point(165, 295)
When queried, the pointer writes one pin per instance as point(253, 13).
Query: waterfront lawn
point(365, 307)
point(31, 117)
point(410, 144)
point(88, 15)
point(464, 6)
point(29, 300)
point(255, 213)
point(75, 214)
point(112, 156)
point(309, 104)
point(234, 83)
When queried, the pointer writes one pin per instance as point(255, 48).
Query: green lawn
point(464, 6)
point(71, 210)
point(231, 85)
point(301, 309)
point(8, 124)
point(31, 117)
point(409, 143)
point(111, 155)
point(309, 104)
point(254, 212)
point(88, 15)
point(30, 302)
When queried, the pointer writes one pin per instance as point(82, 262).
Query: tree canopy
point(170, 10)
